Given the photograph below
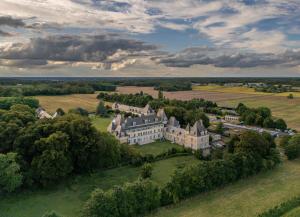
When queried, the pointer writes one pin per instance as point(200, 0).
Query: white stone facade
point(148, 128)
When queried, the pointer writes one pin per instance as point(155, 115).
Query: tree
point(264, 112)
point(195, 115)
point(60, 112)
point(268, 123)
point(241, 108)
point(146, 170)
point(79, 111)
point(253, 142)
point(280, 124)
point(250, 118)
point(290, 96)
point(54, 162)
point(101, 109)
point(160, 94)
point(220, 128)
point(270, 139)
point(292, 149)
point(52, 214)
point(100, 204)
point(10, 175)
point(231, 144)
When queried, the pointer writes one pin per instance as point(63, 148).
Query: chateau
point(150, 126)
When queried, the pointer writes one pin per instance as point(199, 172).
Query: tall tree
point(160, 94)
point(10, 175)
point(101, 109)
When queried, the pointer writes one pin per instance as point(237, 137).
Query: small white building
point(147, 110)
point(41, 113)
point(231, 118)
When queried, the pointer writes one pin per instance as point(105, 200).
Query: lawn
point(245, 198)
point(293, 213)
point(156, 148)
point(101, 123)
point(69, 197)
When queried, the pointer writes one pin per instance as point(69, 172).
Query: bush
point(292, 148)
point(146, 171)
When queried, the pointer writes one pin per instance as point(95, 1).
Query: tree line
point(261, 116)
point(53, 88)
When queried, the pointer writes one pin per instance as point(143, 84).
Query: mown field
point(281, 106)
point(69, 197)
point(66, 102)
point(245, 198)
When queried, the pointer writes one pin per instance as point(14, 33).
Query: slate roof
point(197, 128)
point(173, 122)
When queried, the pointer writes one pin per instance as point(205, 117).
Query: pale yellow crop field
point(66, 102)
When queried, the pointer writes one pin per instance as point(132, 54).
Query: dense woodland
point(43, 152)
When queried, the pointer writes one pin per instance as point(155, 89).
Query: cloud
point(110, 49)
point(12, 22)
point(5, 34)
point(229, 58)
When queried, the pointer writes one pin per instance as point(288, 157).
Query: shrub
point(146, 171)
point(292, 148)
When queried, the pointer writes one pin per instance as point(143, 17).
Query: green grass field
point(156, 148)
point(293, 213)
point(281, 106)
point(101, 123)
point(69, 197)
point(245, 198)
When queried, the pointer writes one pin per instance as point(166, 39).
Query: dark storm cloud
point(219, 58)
point(12, 22)
point(71, 48)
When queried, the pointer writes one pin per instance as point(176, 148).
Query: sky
point(144, 38)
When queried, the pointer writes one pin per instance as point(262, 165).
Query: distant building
point(41, 113)
point(147, 110)
point(233, 84)
point(148, 128)
point(231, 118)
point(256, 85)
